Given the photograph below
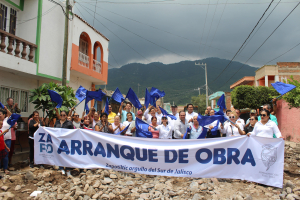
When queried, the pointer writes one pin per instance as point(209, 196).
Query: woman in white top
point(165, 130)
point(117, 126)
point(148, 117)
point(128, 122)
point(196, 129)
point(266, 127)
point(231, 129)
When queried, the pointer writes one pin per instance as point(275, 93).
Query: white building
point(31, 50)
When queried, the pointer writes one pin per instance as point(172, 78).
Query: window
point(3, 17)
point(20, 96)
point(12, 21)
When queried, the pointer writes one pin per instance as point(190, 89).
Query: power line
point(66, 14)
point(95, 12)
point(283, 53)
point(45, 13)
point(260, 25)
point(244, 42)
point(217, 26)
point(203, 28)
point(265, 40)
point(210, 26)
point(191, 40)
point(139, 35)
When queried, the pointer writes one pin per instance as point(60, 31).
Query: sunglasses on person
point(76, 115)
point(63, 115)
point(231, 117)
point(263, 115)
point(252, 119)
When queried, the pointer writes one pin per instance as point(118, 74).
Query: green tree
point(41, 98)
point(246, 96)
point(199, 101)
point(293, 97)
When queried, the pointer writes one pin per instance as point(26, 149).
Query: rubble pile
point(109, 184)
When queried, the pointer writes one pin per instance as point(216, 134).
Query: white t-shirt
point(165, 132)
point(125, 124)
point(266, 130)
point(158, 116)
point(241, 122)
point(6, 126)
point(177, 115)
point(189, 116)
point(231, 130)
point(114, 126)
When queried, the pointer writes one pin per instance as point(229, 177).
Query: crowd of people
point(261, 123)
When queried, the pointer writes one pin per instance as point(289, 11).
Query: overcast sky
point(170, 31)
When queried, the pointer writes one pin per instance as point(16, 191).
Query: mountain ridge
point(178, 80)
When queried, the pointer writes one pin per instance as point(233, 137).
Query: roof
point(246, 80)
point(91, 27)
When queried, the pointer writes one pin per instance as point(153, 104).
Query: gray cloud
point(188, 21)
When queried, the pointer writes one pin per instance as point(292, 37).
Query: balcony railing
point(97, 66)
point(83, 60)
point(15, 44)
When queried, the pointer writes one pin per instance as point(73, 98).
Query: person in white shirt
point(148, 116)
point(190, 113)
point(165, 130)
point(231, 129)
point(239, 120)
point(158, 114)
point(117, 126)
point(4, 115)
point(265, 127)
point(211, 126)
point(180, 126)
point(195, 128)
point(128, 121)
point(174, 111)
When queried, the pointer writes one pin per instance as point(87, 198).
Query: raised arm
point(8, 113)
point(120, 109)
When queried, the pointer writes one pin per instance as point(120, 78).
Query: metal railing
point(97, 66)
point(83, 60)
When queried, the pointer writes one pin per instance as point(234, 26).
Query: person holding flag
point(148, 117)
point(211, 133)
point(233, 128)
point(195, 129)
point(129, 120)
point(132, 126)
point(123, 113)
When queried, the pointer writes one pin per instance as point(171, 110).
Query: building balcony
point(97, 66)
point(83, 60)
point(16, 53)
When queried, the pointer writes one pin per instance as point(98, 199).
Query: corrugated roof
point(91, 26)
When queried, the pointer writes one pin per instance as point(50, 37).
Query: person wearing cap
point(252, 113)
point(165, 130)
point(180, 126)
point(190, 113)
point(174, 111)
point(132, 127)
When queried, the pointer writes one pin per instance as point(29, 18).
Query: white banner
point(254, 159)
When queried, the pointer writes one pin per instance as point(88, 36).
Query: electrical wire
point(260, 26)
point(265, 40)
point(210, 27)
point(66, 14)
point(243, 42)
point(45, 13)
point(283, 53)
point(139, 35)
point(203, 29)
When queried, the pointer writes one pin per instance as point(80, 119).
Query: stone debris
point(108, 184)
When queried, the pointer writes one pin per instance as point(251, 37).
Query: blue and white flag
point(147, 98)
point(221, 102)
point(106, 106)
point(155, 95)
point(55, 97)
point(123, 131)
point(1, 105)
point(13, 119)
point(97, 95)
point(133, 99)
point(164, 112)
point(283, 88)
point(117, 96)
point(142, 129)
point(81, 93)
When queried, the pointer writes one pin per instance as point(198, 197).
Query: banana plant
point(41, 98)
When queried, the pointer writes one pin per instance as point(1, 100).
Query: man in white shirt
point(239, 120)
point(190, 113)
point(180, 126)
point(174, 111)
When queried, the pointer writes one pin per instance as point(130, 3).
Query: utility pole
point(201, 64)
point(199, 90)
point(66, 38)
